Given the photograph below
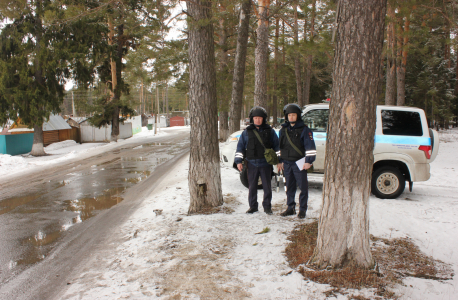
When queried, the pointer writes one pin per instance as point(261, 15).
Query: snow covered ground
point(163, 253)
point(67, 150)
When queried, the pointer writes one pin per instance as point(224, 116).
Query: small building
point(90, 133)
point(57, 130)
point(19, 138)
point(177, 121)
point(54, 130)
point(136, 123)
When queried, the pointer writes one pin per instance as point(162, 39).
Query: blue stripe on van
point(402, 139)
point(387, 139)
point(321, 138)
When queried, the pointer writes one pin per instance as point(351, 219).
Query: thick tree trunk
point(117, 89)
point(401, 64)
point(204, 177)
point(390, 90)
point(261, 55)
point(115, 77)
point(285, 91)
point(224, 87)
point(158, 118)
point(343, 232)
point(239, 67)
point(167, 99)
point(37, 147)
point(309, 64)
point(275, 75)
point(297, 59)
point(115, 124)
point(307, 80)
point(456, 68)
point(114, 80)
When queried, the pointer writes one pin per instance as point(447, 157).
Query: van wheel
point(387, 183)
point(244, 178)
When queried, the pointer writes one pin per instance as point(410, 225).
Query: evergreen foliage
point(44, 43)
point(33, 63)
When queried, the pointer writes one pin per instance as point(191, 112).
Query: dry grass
point(396, 259)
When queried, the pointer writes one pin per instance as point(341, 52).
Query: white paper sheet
point(300, 163)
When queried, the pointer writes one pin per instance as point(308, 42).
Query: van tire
point(244, 177)
point(387, 183)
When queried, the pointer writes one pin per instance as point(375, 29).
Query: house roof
point(79, 120)
point(55, 122)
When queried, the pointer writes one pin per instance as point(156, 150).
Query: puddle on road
point(110, 161)
point(38, 246)
point(88, 206)
point(9, 204)
point(158, 144)
point(45, 212)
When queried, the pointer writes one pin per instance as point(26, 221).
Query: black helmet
point(258, 111)
point(292, 108)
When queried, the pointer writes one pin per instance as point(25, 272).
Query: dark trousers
point(266, 177)
point(295, 178)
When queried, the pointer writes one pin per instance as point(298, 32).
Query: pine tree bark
point(456, 71)
point(308, 65)
point(390, 90)
point(401, 64)
point(224, 88)
point(297, 59)
point(239, 67)
point(115, 75)
point(285, 92)
point(343, 232)
point(261, 55)
point(204, 177)
point(275, 75)
point(37, 146)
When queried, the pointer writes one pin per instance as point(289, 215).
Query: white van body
point(403, 149)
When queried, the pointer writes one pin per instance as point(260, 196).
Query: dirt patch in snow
point(196, 268)
point(396, 259)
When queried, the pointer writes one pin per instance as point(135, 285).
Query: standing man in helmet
point(296, 142)
point(251, 148)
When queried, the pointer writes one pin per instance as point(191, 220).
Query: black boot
point(288, 212)
point(252, 210)
point(301, 214)
point(268, 211)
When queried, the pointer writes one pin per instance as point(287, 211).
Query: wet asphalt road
point(40, 214)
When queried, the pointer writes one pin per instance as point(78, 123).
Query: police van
point(404, 147)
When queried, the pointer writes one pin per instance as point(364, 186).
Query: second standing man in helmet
point(250, 147)
point(296, 142)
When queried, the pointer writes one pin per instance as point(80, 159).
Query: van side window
point(317, 120)
point(398, 122)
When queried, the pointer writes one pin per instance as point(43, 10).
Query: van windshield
point(317, 119)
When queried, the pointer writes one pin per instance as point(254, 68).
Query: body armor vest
point(287, 152)
point(254, 149)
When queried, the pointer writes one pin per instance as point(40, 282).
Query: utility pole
point(73, 106)
point(157, 114)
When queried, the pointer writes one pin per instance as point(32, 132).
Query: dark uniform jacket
point(250, 148)
point(302, 138)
